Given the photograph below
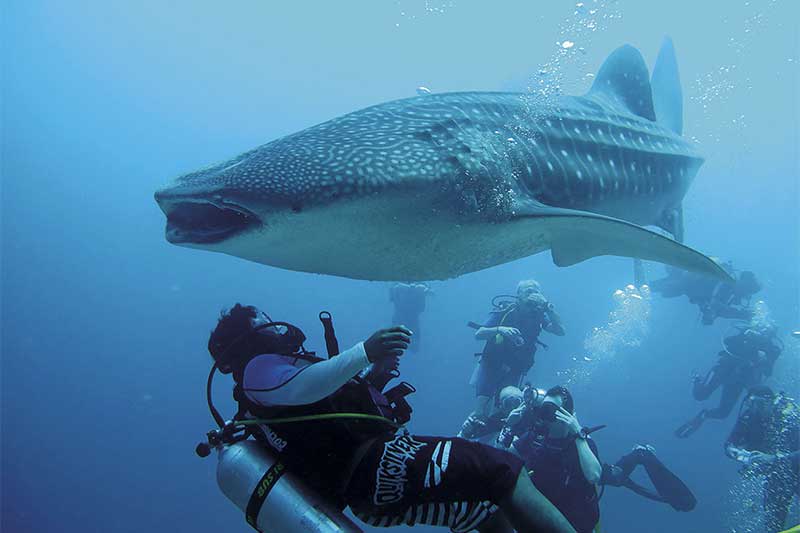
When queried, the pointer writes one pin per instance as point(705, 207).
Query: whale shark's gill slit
point(206, 223)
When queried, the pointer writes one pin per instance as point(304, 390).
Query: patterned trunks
point(431, 480)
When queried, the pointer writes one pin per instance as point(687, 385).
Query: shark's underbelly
point(399, 237)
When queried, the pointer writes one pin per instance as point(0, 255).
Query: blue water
point(104, 324)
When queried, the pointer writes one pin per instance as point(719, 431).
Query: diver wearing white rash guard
point(335, 428)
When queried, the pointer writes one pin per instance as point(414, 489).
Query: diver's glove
point(472, 427)
point(391, 342)
point(513, 334)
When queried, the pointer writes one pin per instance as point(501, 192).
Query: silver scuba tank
point(274, 500)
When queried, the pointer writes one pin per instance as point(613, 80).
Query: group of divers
point(521, 462)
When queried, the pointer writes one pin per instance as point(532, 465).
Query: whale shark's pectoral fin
point(576, 236)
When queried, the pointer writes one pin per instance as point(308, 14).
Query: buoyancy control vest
point(322, 450)
point(502, 350)
point(556, 470)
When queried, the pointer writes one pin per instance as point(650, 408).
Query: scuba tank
point(274, 500)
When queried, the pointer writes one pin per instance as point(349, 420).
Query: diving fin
point(691, 426)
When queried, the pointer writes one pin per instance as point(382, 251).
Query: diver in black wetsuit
point(668, 487)
point(714, 298)
point(766, 442)
point(561, 458)
point(748, 358)
point(511, 336)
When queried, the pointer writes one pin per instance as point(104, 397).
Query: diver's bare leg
point(529, 511)
point(471, 426)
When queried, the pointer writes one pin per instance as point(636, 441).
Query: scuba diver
point(509, 399)
point(766, 442)
point(668, 488)
point(747, 359)
point(562, 459)
point(715, 298)
point(409, 303)
point(334, 428)
point(511, 334)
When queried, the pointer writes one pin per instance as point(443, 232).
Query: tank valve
point(203, 449)
point(214, 438)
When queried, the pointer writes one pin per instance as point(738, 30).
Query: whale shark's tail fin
point(666, 87)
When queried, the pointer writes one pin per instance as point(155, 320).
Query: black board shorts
point(441, 481)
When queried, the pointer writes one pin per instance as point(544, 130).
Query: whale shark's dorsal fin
point(666, 84)
point(623, 79)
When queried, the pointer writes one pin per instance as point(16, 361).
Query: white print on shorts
point(438, 464)
point(391, 477)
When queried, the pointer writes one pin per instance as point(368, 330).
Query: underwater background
point(105, 324)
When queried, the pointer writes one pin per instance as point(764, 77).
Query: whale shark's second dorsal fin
point(666, 84)
point(624, 80)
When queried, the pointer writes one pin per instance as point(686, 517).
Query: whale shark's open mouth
point(206, 223)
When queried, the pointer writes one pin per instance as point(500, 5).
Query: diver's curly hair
point(232, 324)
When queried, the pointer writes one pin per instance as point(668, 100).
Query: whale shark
point(440, 185)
